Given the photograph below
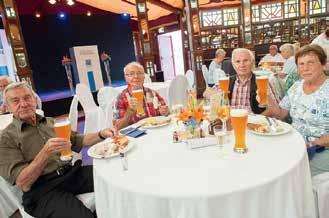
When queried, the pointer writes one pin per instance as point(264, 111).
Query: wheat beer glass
point(63, 130)
point(262, 86)
point(223, 84)
point(239, 123)
point(139, 95)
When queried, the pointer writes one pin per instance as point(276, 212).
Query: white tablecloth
point(160, 87)
point(167, 180)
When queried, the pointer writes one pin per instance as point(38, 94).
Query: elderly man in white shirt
point(323, 41)
point(273, 56)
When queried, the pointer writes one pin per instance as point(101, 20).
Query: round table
point(168, 180)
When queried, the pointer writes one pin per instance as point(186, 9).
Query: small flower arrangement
point(194, 113)
point(66, 60)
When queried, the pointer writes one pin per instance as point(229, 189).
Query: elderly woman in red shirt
point(125, 111)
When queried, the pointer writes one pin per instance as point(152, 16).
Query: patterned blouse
point(309, 112)
point(152, 103)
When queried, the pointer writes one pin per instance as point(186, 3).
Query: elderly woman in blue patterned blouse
point(307, 102)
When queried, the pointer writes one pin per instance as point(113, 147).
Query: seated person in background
point(4, 81)
point(323, 41)
point(273, 56)
point(30, 158)
point(216, 63)
point(242, 86)
point(288, 52)
point(307, 103)
point(125, 111)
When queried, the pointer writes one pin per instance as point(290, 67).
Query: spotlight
point(125, 14)
point(88, 13)
point(61, 15)
point(37, 14)
point(52, 2)
point(70, 2)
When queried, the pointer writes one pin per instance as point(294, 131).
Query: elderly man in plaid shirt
point(242, 86)
point(126, 105)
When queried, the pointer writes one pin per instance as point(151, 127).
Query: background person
point(215, 64)
point(272, 56)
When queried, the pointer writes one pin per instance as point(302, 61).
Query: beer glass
point(139, 95)
point(223, 113)
point(223, 84)
point(262, 87)
point(62, 129)
point(239, 119)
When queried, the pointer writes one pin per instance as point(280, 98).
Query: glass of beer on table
point(223, 84)
point(139, 95)
point(62, 129)
point(262, 88)
point(239, 119)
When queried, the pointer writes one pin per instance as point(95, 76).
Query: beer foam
point(137, 90)
point(62, 123)
point(224, 78)
point(262, 77)
point(239, 112)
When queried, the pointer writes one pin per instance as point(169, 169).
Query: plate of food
point(110, 147)
point(154, 122)
point(259, 125)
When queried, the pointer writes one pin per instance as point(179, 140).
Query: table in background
point(168, 180)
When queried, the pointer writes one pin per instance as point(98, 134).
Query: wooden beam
point(164, 5)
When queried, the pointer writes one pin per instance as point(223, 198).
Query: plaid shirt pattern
point(241, 95)
point(152, 102)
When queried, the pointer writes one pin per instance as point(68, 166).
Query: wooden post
point(11, 23)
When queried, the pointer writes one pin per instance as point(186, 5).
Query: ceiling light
point(52, 2)
point(61, 15)
point(88, 13)
point(70, 2)
point(37, 14)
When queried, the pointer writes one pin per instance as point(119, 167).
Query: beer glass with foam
point(62, 129)
point(139, 95)
point(239, 119)
point(262, 87)
point(223, 84)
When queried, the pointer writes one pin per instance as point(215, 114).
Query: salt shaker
point(124, 161)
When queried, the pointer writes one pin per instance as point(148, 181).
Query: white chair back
point(218, 73)
point(205, 74)
point(73, 114)
point(94, 115)
point(147, 78)
point(320, 186)
point(178, 90)
point(190, 79)
point(105, 96)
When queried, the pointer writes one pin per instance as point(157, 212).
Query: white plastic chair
point(94, 115)
point(190, 79)
point(11, 200)
point(205, 74)
point(106, 97)
point(320, 186)
point(178, 90)
point(218, 73)
point(73, 114)
point(147, 78)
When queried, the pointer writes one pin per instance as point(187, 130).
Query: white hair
point(16, 85)
point(131, 64)
point(236, 51)
point(288, 47)
point(220, 51)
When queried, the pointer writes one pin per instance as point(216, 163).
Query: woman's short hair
point(221, 52)
point(288, 47)
point(312, 48)
point(134, 63)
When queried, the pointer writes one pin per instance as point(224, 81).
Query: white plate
point(159, 118)
point(259, 118)
point(92, 150)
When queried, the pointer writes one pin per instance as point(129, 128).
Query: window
point(291, 8)
point(211, 18)
point(317, 6)
point(231, 16)
point(271, 12)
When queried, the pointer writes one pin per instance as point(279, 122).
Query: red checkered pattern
point(149, 95)
point(241, 95)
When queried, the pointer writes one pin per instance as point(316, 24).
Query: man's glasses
point(139, 74)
